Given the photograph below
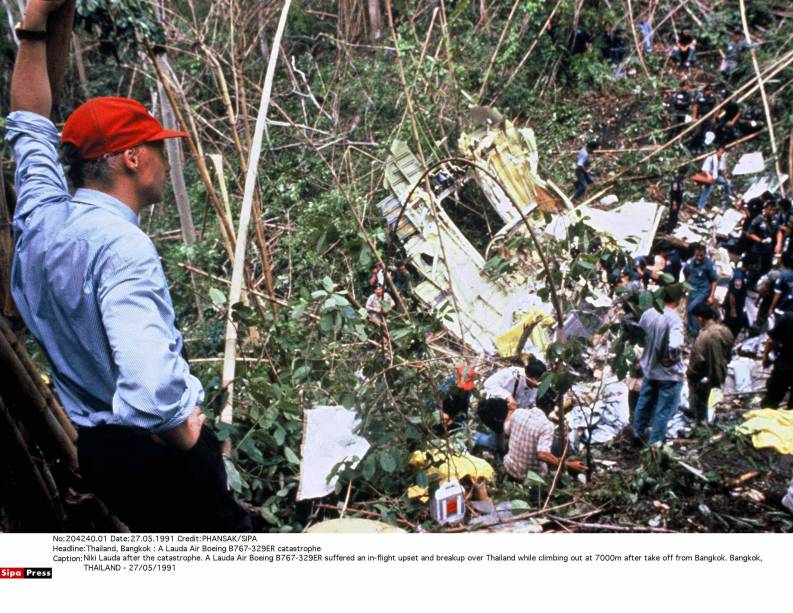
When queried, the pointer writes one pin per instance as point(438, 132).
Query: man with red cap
point(89, 284)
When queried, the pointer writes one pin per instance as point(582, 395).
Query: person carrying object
point(715, 169)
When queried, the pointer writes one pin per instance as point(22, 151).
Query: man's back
point(711, 353)
point(663, 337)
point(90, 287)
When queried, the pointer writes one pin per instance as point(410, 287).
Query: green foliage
point(119, 23)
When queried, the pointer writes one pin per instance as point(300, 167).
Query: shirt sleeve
point(545, 440)
point(495, 384)
point(39, 177)
point(154, 387)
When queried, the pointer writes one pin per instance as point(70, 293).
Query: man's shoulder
point(122, 244)
point(649, 316)
point(671, 315)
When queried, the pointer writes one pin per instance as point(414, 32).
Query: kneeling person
point(531, 441)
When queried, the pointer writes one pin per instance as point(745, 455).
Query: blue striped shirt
point(89, 284)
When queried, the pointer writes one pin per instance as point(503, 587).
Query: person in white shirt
point(715, 167)
point(504, 391)
point(379, 304)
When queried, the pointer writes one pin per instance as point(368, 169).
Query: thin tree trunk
point(790, 156)
point(264, 47)
point(59, 28)
point(173, 148)
point(375, 20)
point(497, 49)
point(80, 65)
point(7, 307)
point(636, 40)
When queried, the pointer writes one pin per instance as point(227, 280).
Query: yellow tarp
point(441, 467)
point(507, 343)
point(769, 428)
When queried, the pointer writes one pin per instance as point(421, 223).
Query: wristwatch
point(23, 34)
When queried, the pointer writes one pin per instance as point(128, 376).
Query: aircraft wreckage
point(487, 311)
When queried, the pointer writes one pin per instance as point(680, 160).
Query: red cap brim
point(163, 134)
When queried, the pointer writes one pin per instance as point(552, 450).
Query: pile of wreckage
point(486, 313)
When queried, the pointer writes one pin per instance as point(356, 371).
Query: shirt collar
point(106, 202)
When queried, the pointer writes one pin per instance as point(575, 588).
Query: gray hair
point(80, 172)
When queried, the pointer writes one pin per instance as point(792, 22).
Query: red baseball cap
point(109, 125)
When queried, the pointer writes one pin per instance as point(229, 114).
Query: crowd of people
point(688, 343)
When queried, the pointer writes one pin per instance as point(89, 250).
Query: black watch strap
point(23, 34)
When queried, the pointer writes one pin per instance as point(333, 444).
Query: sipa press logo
point(25, 573)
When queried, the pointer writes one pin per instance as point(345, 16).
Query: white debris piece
point(749, 164)
point(328, 439)
point(726, 223)
point(688, 234)
point(610, 199)
point(765, 184)
point(633, 224)
point(739, 375)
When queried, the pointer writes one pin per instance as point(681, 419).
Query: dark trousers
point(698, 394)
point(735, 324)
point(154, 487)
point(779, 383)
point(583, 179)
point(674, 215)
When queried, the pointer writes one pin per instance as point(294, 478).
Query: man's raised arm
point(41, 62)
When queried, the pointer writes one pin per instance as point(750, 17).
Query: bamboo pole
point(528, 53)
point(230, 349)
point(52, 402)
point(28, 391)
point(492, 61)
point(790, 155)
point(768, 118)
point(636, 41)
point(195, 148)
point(29, 472)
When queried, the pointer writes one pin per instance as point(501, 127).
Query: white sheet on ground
point(328, 438)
